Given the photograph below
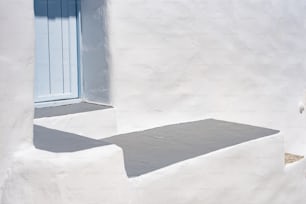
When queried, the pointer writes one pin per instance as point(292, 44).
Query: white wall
point(181, 60)
point(172, 61)
point(16, 78)
point(94, 52)
point(91, 176)
point(251, 172)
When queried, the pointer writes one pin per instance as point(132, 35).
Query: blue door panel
point(56, 74)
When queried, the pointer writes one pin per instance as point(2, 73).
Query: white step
point(85, 119)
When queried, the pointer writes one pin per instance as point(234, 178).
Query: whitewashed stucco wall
point(180, 60)
point(94, 52)
point(16, 78)
point(172, 61)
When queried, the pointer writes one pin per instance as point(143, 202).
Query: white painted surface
point(87, 177)
point(96, 124)
point(16, 79)
point(231, 175)
point(94, 52)
point(252, 172)
point(172, 61)
point(182, 60)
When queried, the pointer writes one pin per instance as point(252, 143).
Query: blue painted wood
point(55, 46)
point(42, 82)
point(73, 45)
point(56, 74)
point(66, 45)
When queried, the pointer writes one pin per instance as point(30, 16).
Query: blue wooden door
point(56, 72)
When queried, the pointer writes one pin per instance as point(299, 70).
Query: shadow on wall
point(156, 148)
point(92, 31)
point(55, 8)
point(95, 51)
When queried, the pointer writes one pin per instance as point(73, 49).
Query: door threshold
point(66, 109)
point(57, 103)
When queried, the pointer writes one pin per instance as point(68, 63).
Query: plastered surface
point(96, 82)
point(251, 172)
point(171, 61)
point(16, 78)
point(241, 61)
point(96, 124)
point(245, 173)
point(92, 176)
point(152, 149)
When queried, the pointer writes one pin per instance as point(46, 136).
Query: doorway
point(56, 52)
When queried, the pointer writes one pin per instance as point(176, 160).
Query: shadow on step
point(156, 148)
point(58, 141)
point(153, 149)
point(68, 109)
